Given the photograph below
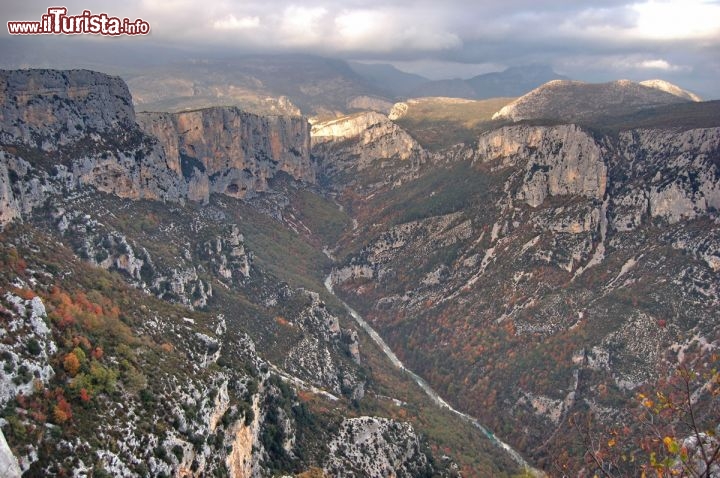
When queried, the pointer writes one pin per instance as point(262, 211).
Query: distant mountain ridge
point(388, 78)
point(514, 81)
point(304, 84)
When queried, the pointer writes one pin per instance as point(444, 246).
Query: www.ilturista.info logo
point(58, 22)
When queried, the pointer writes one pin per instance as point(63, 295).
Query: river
point(517, 458)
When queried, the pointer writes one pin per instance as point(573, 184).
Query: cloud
point(615, 65)
point(387, 30)
point(618, 38)
point(678, 19)
point(301, 26)
point(233, 23)
point(658, 65)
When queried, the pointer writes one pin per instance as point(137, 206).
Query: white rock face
point(9, 207)
point(50, 108)
point(228, 255)
point(374, 137)
point(9, 467)
point(312, 359)
point(668, 87)
point(352, 272)
point(561, 160)
point(376, 448)
point(242, 461)
point(398, 111)
point(27, 356)
point(228, 151)
point(686, 178)
point(566, 160)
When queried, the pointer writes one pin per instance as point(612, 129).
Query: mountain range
point(164, 79)
point(514, 81)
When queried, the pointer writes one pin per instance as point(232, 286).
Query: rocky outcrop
point(575, 101)
point(370, 103)
point(398, 110)
point(177, 281)
point(8, 463)
point(562, 160)
point(315, 357)
point(231, 263)
point(364, 138)
point(228, 151)
point(668, 87)
point(63, 130)
point(377, 447)
point(678, 177)
point(26, 357)
point(9, 207)
point(51, 108)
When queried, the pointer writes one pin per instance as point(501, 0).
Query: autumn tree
point(62, 412)
point(673, 431)
point(71, 364)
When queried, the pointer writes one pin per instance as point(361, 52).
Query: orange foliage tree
point(674, 431)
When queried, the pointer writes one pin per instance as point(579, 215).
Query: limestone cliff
point(683, 173)
point(51, 108)
point(366, 136)
point(62, 130)
point(677, 179)
point(228, 151)
point(562, 160)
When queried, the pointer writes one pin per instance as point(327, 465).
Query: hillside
point(438, 123)
point(575, 101)
point(542, 277)
point(672, 89)
point(163, 309)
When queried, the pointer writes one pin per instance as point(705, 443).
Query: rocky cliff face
point(49, 109)
point(568, 161)
point(559, 161)
point(377, 447)
point(683, 166)
point(62, 130)
point(224, 150)
point(364, 138)
point(368, 144)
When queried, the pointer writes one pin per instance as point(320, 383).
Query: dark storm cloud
point(674, 39)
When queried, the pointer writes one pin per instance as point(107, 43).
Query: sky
point(676, 40)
